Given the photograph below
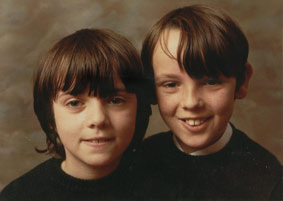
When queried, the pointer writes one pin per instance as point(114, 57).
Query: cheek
point(222, 103)
point(124, 122)
point(166, 103)
point(64, 127)
point(60, 120)
point(66, 124)
point(124, 129)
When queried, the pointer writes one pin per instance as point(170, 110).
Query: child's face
point(95, 131)
point(196, 110)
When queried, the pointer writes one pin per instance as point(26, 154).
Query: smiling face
point(196, 110)
point(94, 131)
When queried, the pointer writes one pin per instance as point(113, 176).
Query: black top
point(241, 170)
point(47, 182)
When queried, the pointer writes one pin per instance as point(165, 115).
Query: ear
point(243, 89)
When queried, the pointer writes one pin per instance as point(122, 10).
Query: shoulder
point(254, 154)
point(24, 186)
point(247, 145)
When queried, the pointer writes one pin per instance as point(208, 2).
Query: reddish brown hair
point(88, 57)
point(211, 43)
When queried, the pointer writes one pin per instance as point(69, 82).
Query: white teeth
point(100, 140)
point(195, 122)
point(190, 122)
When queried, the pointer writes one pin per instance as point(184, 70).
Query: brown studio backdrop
point(29, 27)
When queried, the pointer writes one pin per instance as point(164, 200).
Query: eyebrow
point(61, 94)
point(165, 76)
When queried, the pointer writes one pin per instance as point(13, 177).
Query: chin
point(196, 143)
point(100, 161)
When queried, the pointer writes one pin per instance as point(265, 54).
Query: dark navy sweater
point(242, 170)
point(47, 182)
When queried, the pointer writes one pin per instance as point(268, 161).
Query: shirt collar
point(218, 145)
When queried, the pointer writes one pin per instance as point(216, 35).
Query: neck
point(88, 172)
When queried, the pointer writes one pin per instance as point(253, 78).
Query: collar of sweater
point(217, 146)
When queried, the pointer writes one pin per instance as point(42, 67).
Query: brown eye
point(74, 103)
point(170, 85)
point(116, 100)
point(213, 82)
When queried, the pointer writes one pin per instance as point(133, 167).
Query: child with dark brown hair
point(89, 99)
point(197, 58)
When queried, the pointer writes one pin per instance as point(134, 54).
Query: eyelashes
point(74, 103)
point(116, 100)
point(170, 84)
point(209, 81)
point(173, 86)
point(212, 81)
point(113, 100)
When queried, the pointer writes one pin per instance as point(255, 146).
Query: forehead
point(175, 51)
point(165, 53)
point(168, 43)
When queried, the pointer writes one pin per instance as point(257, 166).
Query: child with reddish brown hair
point(197, 59)
point(89, 99)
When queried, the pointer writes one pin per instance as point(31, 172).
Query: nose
point(191, 98)
point(96, 117)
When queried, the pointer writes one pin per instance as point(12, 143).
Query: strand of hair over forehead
point(89, 64)
point(195, 55)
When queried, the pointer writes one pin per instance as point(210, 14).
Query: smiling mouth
point(100, 140)
point(195, 122)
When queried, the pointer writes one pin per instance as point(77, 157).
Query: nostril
point(91, 126)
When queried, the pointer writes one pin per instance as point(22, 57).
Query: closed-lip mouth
point(99, 139)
